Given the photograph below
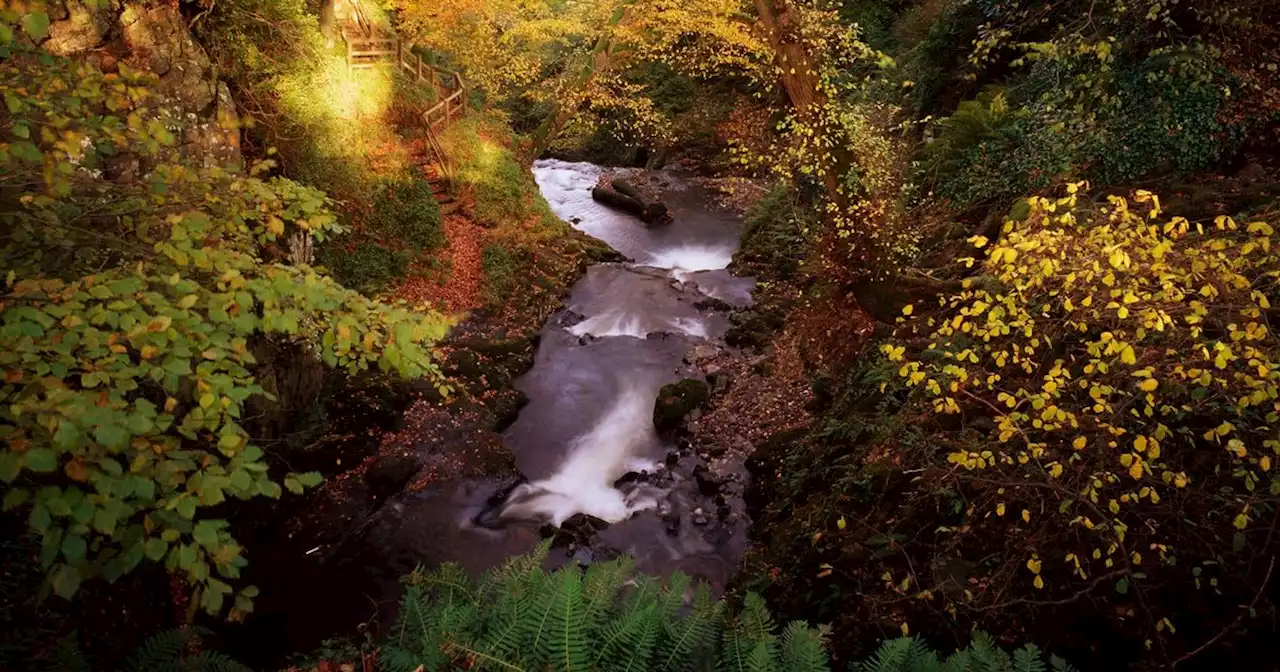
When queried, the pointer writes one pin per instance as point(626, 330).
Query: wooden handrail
point(364, 52)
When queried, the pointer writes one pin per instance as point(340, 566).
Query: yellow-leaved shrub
point(1126, 361)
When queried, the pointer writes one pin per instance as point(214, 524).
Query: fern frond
point(892, 656)
point(628, 642)
point(690, 637)
point(1027, 659)
point(209, 661)
point(159, 651)
point(802, 649)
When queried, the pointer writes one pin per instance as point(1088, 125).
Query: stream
point(596, 474)
point(592, 461)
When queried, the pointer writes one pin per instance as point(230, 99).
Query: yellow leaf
point(1055, 471)
point(1135, 471)
point(275, 226)
point(1140, 444)
point(1149, 385)
point(1128, 356)
point(908, 309)
point(1026, 516)
point(1000, 509)
point(1034, 565)
point(159, 324)
point(1039, 583)
point(842, 523)
point(1241, 522)
point(1079, 443)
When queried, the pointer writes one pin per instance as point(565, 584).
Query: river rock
point(389, 474)
point(676, 401)
point(577, 531)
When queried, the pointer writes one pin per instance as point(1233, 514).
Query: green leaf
point(310, 479)
point(1122, 586)
point(155, 549)
point(292, 485)
point(187, 507)
point(206, 534)
point(211, 601)
point(14, 498)
point(186, 556)
point(104, 520)
point(41, 460)
point(10, 466)
point(39, 519)
point(73, 548)
point(113, 437)
point(241, 480)
point(140, 424)
point(66, 581)
point(36, 24)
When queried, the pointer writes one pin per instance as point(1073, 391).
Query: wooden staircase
point(369, 45)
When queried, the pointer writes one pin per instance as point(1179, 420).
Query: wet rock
point(719, 381)
point(389, 475)
point(713, 304)
point(708, 484)
point(676, 401)
point(577, 531)
point(569, 318)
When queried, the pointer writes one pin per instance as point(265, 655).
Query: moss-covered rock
point(676, 401)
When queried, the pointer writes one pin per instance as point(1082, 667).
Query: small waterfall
point(584, 481)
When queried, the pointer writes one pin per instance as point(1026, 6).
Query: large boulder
point(152, 36)
point(676, 401)
point(78, 26)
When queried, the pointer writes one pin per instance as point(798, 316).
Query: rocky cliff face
point(153, 36)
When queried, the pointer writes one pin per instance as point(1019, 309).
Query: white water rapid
point(628, 329)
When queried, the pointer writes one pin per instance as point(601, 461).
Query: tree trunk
point(630, 200)
point(800, 80)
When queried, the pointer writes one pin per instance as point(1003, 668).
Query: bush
point(776, 234)
point(501, 272)
point(407, 212)
point(127, 327)
point(368, 267)
point(1131, 378)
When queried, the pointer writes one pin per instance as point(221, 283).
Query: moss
point(367, 267)
point(676, 401)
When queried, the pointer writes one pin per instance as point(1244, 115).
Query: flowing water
point(586, 441)
point(592, 462)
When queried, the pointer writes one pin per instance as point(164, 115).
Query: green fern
point(982, 655)
point(520, 617)
point(167, 651)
